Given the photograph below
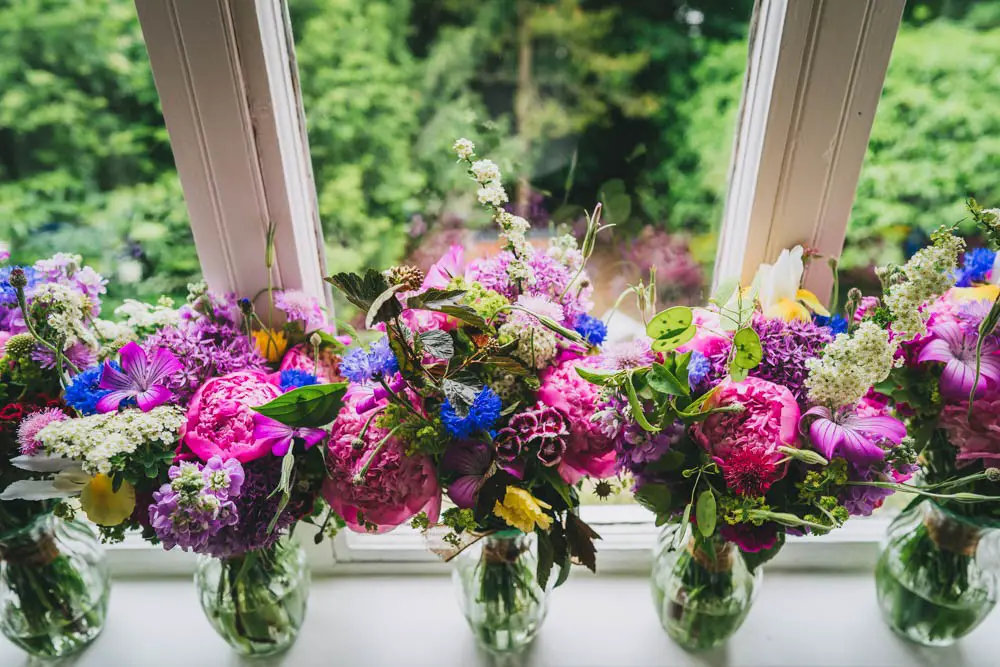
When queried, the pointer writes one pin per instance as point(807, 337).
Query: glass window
point(633, 105)
point(85, 162)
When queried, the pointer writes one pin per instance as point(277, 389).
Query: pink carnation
point(301, 358)
point(980, 439)
point(769, 419)
point(395, 486)
point(220, 417)
point(589, 450)
point(27, 432)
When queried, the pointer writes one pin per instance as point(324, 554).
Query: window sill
point(798, 619)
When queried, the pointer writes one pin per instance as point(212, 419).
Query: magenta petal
point(936, 350)
point(310, 435)
point(859, 448)
point(884, 426)
point(826, 435)
point(990, 369)
point(152, 397)
point(133, 360)
point(463, 491)
point(957, 379)
point(265, 428)
point(280, 446)
point(950, 332)
point(163, 364)
point(114, 379)
point(467, 458)
point(110, 402)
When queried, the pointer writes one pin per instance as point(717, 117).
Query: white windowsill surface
point(414, 621)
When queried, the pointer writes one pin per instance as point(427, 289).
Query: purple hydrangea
point(549, 279)
point(787, 346)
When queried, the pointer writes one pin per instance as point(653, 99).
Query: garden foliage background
point(631, 103)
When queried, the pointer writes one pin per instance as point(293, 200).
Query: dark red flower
point(750, 471)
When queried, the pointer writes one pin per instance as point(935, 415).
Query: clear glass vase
point(257, 601)
point(54, 586)
point(937, 574)
point(702, 598)
point(498, 591)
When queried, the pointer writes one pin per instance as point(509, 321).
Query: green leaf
point(655, 497)
point(749, 352)
point(670, 322)
point(685, 523)
point(438, 344)
point(313, 406)
point(363, 291)
point(738, 373)
point(377, 305)
point(756, 559)
point(561, 549)
point(435, 298)
point(706, 513)
point(509, 365)
point(665, 382)
point(546, 558)
point(580, 538)
point(600, 377)
point(638, 413)
point(460, 395)
point(464, 314)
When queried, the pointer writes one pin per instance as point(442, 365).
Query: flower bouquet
point(54, 583)
point(745, 422)
point(471, 393)
point(171, 435)
point(937, 575)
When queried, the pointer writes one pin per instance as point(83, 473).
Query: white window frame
point(226, 74)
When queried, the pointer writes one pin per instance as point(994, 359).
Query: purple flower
point(141, 378)
point(855, 437)
point(301, 307)
point(957, 349)
point(468, 461)
point(281, 436)
point(787, 346)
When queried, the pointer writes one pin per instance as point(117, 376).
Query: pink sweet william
point(589, 451)
point(376, 488)
point(220, 417)
point(745, 442)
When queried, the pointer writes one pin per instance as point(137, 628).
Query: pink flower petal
point(152, 397)
point(114, 379)
point(957, 379)
point(936, 350)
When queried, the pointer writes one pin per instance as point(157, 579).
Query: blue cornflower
point(361, 365)
point(481, 416)
point(698, 368)
point(83, 393)
point(976, 265)
point(835, 323)
point(8, 296)
point(293, 378)
point(591, 328)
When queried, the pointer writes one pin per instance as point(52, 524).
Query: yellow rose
point(522, 510)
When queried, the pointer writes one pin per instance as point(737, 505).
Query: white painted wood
point(813, 83)
point(225, 72)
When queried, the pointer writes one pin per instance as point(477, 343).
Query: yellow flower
point(105, 506)
point(978, 293)
point(778, 289)
point(271, 344)
point(522, 510)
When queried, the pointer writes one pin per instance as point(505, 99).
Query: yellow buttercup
point(522, 510)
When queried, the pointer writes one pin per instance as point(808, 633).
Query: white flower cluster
point(850, 366)
point(925, 277)
point(536, 345)
point(146, 317)
point(65, 311)
point(464, 149)
point(486, 171)
point(492, 194)
point(95, 440)
point(565, 250)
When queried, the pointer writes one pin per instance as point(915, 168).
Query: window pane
point(85, 163)
point(633, 105)
point(934, 143)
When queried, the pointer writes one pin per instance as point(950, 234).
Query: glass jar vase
point(498, 591)
point(937, 574)
point(702, 596)
point(54, 586)
point(256, 602)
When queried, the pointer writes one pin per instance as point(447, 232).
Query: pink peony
point(4, 337)
point(589, 451)
point(301, 358)
point(394, 487)
point(220, 417)
point(769, 419)
point(980, 439)
point(27, 432)
point(450, 266)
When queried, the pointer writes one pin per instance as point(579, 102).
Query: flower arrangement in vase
point(471, 395)
point(939, 570)
point(744, 422)
point(167, 435)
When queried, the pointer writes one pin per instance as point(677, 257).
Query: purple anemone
point(854, 437)
point(469, 461)
point(956, 348)
point(141, 377)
